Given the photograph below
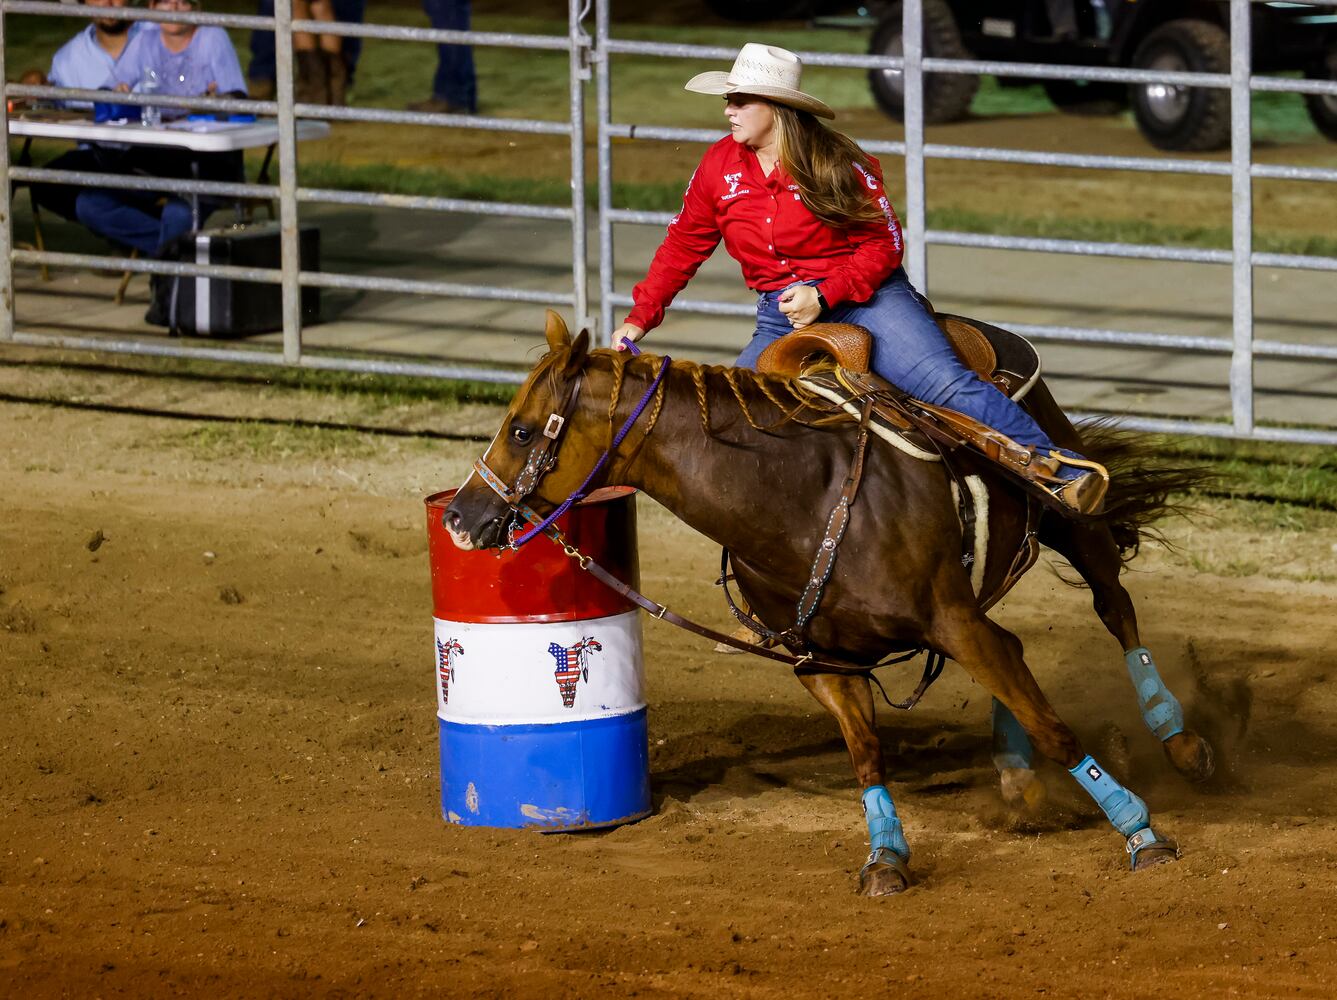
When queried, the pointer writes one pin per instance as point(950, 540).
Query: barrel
point(539, 675)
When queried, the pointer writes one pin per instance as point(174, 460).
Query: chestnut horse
point(748, 461)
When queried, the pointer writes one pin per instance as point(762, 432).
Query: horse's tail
point(1144, 486)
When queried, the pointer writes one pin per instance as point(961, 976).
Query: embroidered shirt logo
point(733, 180)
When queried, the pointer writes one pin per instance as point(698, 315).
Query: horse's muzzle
point(480, 529)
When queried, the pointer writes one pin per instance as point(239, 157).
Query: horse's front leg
point(850, 700)
point(992, 655)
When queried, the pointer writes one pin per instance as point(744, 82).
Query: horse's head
point(523, 455)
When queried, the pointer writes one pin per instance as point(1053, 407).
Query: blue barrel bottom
point(564, 776)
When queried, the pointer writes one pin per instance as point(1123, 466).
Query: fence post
point(6, 207)
point(1241, 197)
point(604, 110)
point(579, 73)
point(912, 82)
point(289, 244)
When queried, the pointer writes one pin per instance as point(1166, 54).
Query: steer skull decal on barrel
point(446, 652)
point(572, 665)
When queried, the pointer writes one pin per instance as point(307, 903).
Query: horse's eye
point(520, 434)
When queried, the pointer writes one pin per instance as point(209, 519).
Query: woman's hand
point(627, 333)
point(800, 305)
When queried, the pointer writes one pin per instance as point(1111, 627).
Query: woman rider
point(802, 208)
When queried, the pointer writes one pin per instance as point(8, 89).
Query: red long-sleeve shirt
point(770, 232)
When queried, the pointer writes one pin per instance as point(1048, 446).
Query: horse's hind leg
point(1092, 552)
point(992, 655)
point(850, 700)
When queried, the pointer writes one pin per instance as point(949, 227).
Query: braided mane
point(789, 402)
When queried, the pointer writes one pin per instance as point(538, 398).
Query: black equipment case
point(221, 307)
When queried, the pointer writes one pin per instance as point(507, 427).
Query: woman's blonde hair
point(821, 161)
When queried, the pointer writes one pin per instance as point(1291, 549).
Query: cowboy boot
point(313, 82)
point(337, 73)
point(1083, 494)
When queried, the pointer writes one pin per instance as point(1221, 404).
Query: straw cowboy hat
point(764, 70)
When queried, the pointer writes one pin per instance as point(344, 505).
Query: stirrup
point(1086, 493)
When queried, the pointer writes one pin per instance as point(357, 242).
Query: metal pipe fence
point(289, 194)
point(591, 56)
point(1241, 169)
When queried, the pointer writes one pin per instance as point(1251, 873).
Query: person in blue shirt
point(187, 60)
point(86, 62)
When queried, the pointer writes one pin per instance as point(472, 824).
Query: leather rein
point(543, 457)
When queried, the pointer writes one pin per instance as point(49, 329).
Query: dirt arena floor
point(216, 686)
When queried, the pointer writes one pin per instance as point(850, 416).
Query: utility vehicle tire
point(1183, 118)
point(1087, 97)
point(760, 10)
point(947, 96)
point(1323, 107)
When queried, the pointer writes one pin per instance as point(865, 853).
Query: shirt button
point(768, 220)
point(769, 247)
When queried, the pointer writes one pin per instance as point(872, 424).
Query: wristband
point(821, 302)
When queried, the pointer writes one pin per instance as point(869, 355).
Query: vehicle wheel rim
point(1166, 102)
point(893, 79)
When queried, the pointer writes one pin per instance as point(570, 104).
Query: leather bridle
point(542, 458)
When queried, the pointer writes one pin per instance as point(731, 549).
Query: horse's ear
point(556, 332)
point(580, 349)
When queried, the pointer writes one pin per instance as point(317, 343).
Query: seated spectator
point(188, 60)
point(86, 62)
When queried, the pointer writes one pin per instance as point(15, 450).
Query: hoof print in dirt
point(230, 595)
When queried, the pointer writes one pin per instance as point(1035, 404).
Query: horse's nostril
point(453, 520)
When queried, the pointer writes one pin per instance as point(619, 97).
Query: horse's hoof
point(1146, 849)
point(1191, 755)
point(884, 874)
point(1021, 788)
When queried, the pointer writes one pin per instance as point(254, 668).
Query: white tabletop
point(200, 136)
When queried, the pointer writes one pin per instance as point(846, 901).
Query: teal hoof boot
point(885, 873)
point(1147, 848)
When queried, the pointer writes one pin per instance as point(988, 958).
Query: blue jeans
point(454, 81)
point(134, 218)
point(911, 353)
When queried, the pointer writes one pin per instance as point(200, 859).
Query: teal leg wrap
point(1125, 810)
point(884, 826)
point(1160, 709)
point(1011, 745)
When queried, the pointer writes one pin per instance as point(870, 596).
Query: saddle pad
point(828, 387)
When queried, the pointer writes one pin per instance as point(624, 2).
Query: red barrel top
point(539, 582)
